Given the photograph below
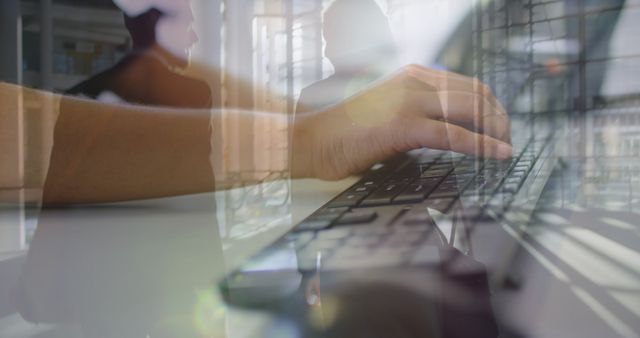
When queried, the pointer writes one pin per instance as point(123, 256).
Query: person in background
point(153, 73)
point(361, 48)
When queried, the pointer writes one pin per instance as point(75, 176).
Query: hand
point(414, 108)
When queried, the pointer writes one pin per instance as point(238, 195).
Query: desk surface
point(195, 232)
point(133, 268)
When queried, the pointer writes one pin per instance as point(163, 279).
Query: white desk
point(129, 233)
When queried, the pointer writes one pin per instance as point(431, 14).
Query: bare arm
point(100, 152)
point(105, 153)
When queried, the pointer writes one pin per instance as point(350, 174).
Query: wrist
point(301, 158)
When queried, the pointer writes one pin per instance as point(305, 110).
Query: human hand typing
point(414, 108)
point(117, 158)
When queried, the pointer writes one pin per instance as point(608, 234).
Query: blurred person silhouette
point(361, 48)
point(153, 72)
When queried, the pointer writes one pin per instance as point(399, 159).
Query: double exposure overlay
point(319, 168)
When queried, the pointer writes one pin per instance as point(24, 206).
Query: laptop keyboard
point(347, 232)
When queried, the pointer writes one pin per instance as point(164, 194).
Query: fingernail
point(505, 151)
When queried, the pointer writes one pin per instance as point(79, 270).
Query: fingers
point(465, 107)
point(450, 82)
point(447, 136)
point(462, 108)
point(455, 98)
point(447, 81)
point(468, 142)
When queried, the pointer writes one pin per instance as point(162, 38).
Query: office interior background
point(523, 49)
point(277, 46)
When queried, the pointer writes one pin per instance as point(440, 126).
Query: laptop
point(434, 211)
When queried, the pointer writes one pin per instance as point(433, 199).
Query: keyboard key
point(444, 194)
point(335, 233)
point(328, 214)
point(400, 180)
point(429, 173)
point(330, 217)
point(330, 211)
point(513, 180)
point(511, 188)
point(358, 217)
point(465, 169)
point(443, 166)
point(347, 200)
point(409, 198)
point(418, 218)
point(491, 174)
point(445, 190)
point(417, 192)
point(529, 155)
point(410, 172)
point(527, 163)
point(461, 179)
point(431, 182)
point(313, 225)
point(426, 159)
point(384, 195)
point(494, 165)
point(364, 188)
point(381, 170)
point(518, 172)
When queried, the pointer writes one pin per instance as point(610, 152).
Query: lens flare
point(209, 314)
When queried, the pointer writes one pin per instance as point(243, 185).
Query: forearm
point(107, 153)
point(27, 117)
point(11, 138)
